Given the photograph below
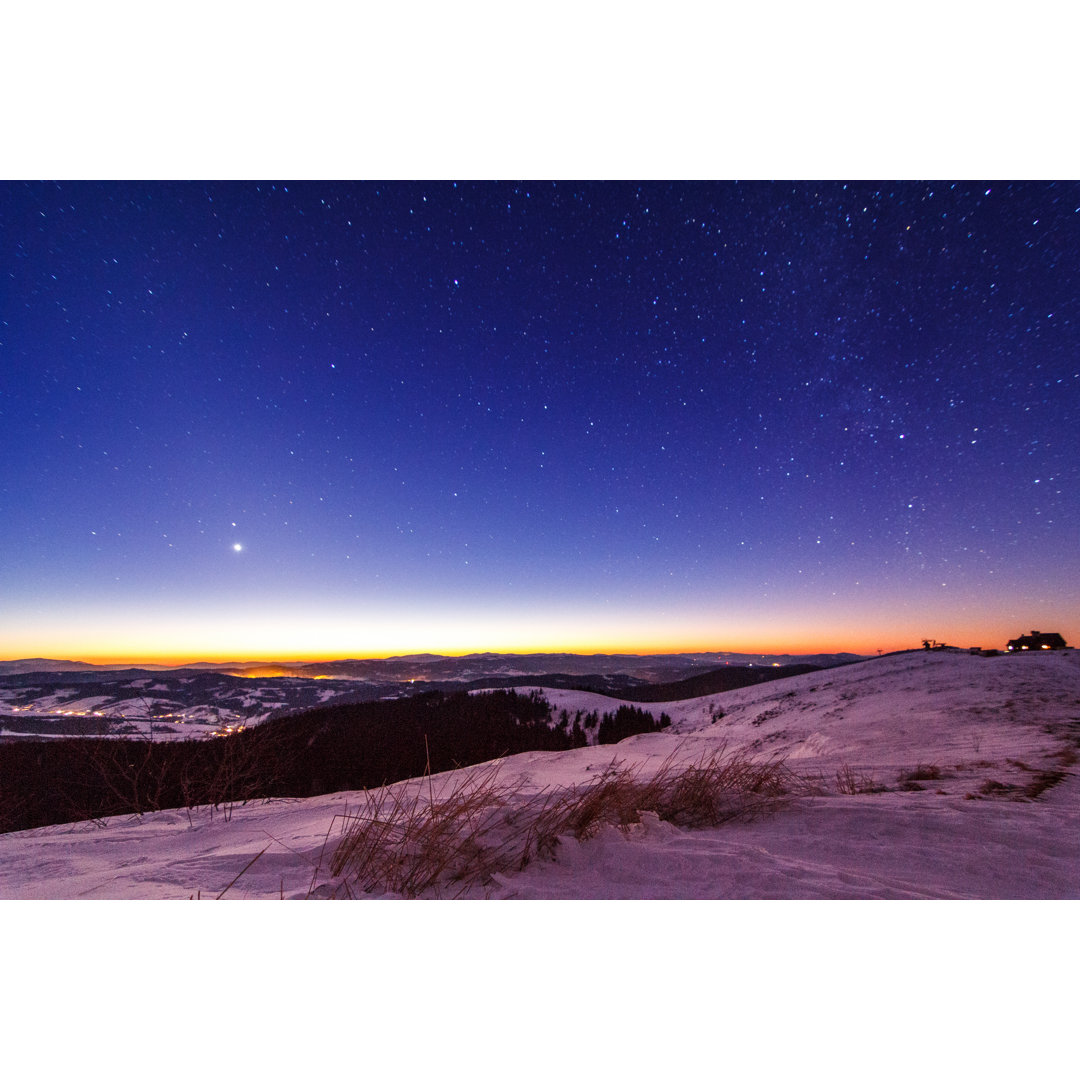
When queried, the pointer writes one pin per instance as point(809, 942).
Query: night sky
point(243, 420)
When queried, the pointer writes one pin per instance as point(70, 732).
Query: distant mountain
point(663, 667)
point(718, 681)
point(429, 667)
point(19, 667)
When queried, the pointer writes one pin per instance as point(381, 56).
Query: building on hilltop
point(1037, 640)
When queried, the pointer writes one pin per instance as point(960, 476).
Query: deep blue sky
point(536, 416)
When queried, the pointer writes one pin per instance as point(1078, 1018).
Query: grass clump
point(397, 841)
point(411, 842)
point(1039, 783)
point(996, 787)
point(850, 781)
point(921, 772)
point(1043, 781)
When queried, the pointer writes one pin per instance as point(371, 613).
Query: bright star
point(238, 547)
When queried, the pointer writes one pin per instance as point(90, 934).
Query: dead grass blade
point(242, 872)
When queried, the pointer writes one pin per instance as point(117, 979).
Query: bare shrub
point(401, 842)
point(243, 769)
point(132, 776)
point(16, 806)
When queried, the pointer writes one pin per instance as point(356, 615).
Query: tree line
point(332, 748)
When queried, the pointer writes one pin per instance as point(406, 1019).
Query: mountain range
point(657, 667)
point(64, 697)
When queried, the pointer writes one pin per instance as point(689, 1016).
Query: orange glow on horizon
point(667, 648)
point(311, 638)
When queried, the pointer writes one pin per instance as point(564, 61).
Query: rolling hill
point(910, 776)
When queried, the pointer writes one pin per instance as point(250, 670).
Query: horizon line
point(172, 661)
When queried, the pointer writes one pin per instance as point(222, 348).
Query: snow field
point(973, 732)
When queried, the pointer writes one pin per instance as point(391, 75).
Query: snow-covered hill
point(924, 775)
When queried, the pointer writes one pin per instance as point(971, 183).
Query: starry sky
point(247, 420)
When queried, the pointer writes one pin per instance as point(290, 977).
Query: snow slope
point(954, 740)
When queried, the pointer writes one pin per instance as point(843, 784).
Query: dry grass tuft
point(1043, 781)
point(996, 787)
point(400, 842)
point(849, 781)
point(921, 772)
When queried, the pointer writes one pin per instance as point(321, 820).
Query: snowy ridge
point(923, 769)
